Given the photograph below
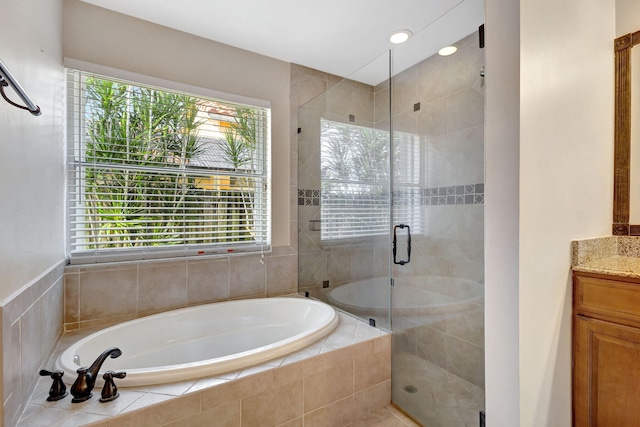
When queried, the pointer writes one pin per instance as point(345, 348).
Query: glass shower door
point(344, 192)
point(437, 117)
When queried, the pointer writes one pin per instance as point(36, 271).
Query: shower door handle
point(395, 244)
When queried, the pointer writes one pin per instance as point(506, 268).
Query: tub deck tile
point(350, 339)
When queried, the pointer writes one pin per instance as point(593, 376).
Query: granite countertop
point(618, 265)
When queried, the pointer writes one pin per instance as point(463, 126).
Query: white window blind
point(156, 173)
point(355, 181)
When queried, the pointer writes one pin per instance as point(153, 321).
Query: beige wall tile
point(405, 92)
point(31, 339)
point(106, 321)
point(466, 321)
point(53, 314)
point(432, 118)
point(465, 109)
point(432, 345)
point(160, 414)
point(298, 422)
point(465, 360)
point(352, 352)
point(274, 406)
point(371, 399)
point(432, 73)
point(71, 297)
point(464, 69)
point(361, 262)
point(108, 292)
point(235, 390)
point(227, 415)
point(339, 264)
point(372, 370)
point(162, 286)
point(288, 373)
point(382, 343)
point(324, 387)
point(339, 98)
point(362, 105)
point(11, 363)
point(246, 276)
point(207, 281)
point(81, 417)
point(338, 414)
point(282, 273)
point(309, 87)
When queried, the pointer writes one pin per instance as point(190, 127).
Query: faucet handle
point(58, 390)
point(109, 390)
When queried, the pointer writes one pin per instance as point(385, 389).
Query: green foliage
point(241, 138)
point(130, 132)
point(241, 141)
point(352, 155)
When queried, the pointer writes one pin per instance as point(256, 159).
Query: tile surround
point(469, 194)
point(297, 389)
point(102, 295)
point(31, 326)
point(447, 267)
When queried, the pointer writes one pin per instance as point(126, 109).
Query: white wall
point(627, 17)
point(557, 188)
point(32, 148)
point(111, 39)
point(501, 197)
point(566, 180)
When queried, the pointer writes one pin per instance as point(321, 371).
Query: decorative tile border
point(308, 197)
point(470, 194)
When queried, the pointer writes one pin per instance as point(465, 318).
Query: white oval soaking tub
point(203, 340)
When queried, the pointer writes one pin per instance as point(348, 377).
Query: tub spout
point(81, 388)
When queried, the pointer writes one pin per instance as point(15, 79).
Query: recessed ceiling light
point(448, 50)
point(400, 36)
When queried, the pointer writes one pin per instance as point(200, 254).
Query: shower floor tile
point(388, 416)
point(433, 395)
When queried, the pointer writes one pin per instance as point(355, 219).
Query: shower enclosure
point(391, 211)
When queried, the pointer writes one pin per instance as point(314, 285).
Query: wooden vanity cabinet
point(606, 350)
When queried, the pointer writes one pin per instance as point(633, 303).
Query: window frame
point(180, 251)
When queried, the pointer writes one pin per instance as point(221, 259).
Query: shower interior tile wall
point(447, 328)
point(447, 277)
point(450, 126)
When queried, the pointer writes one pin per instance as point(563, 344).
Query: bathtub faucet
point(81, 388)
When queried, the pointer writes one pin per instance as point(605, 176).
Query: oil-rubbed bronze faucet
point(109, 390)
point(81, 388)
point(58, 390)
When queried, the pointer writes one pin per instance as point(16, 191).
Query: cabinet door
point(606, 374)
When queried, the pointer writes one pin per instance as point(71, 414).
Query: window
point(157, 173)
point(355, 198)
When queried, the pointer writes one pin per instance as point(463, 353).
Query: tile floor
point(389, 416)
point(434, 396)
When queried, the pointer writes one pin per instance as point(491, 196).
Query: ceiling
point(340, 37)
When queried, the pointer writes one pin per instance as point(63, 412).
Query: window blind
point(354, 194)
point(156, 173)
point(355, 181)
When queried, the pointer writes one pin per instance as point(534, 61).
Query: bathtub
point(420, 295)
point(203, 340)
